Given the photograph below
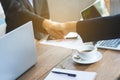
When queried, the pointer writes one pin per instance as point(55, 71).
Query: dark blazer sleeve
point(17, 14)
point(41, 8)
point(99, 28)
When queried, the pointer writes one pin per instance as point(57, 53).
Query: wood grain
point(51, 56)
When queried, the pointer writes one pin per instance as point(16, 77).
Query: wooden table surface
point(49, 57)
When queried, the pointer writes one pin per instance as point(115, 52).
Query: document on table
point(80, 75)
point(66, 43)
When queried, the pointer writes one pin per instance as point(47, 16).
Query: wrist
point(71, 26)
point(46, 23)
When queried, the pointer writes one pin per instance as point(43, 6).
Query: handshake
point(58, 30)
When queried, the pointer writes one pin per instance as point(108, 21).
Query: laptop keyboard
point(109, 43)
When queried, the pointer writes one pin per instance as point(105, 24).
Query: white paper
point(66, 43)
point(81, 75)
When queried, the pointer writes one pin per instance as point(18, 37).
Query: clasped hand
point(58, 30)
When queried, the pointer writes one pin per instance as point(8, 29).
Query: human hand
point(59, 30)
point(55, 29)
point(69, 26)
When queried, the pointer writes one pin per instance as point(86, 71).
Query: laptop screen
point(90, 12)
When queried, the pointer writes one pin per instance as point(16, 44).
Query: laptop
point(17, 52)
point(113, 44)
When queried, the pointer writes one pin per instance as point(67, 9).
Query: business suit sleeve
point(99, 28)
point(17, 14)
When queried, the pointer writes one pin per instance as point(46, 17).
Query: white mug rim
point(88, 55)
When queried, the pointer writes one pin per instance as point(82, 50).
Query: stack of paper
point(66, 43)
point(80, 75)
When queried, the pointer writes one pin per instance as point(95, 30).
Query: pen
point(69, 74)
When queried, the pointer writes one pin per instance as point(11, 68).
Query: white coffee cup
point(88, 53)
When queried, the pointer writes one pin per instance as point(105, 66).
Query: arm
point(96, 28)
point(17, 14)
point(99, 28)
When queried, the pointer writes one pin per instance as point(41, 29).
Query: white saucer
point(81, 61)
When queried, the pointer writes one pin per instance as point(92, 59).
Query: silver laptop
point(113, 44)
point(17, 52)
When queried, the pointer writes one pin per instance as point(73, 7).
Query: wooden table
point(51, 56)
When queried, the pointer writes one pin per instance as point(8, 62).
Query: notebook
point(17, 52)
point(79, 75)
